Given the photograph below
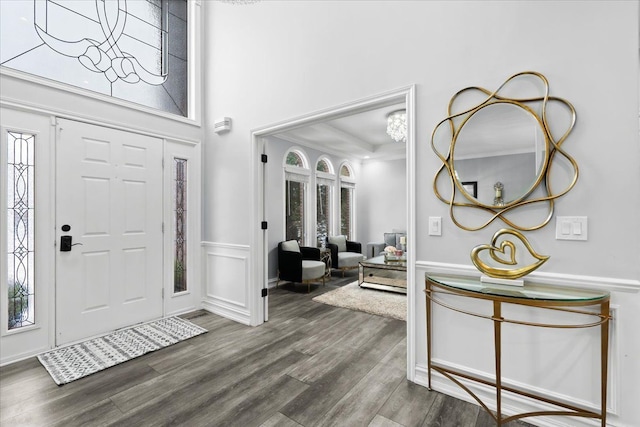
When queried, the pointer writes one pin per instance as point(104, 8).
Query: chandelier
point(397, 125)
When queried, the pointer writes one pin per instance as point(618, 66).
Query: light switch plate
point(571, 228)
point(435, 226)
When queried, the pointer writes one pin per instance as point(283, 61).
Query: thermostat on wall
point(222, 125)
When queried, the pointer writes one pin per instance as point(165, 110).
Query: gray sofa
point(390, 239)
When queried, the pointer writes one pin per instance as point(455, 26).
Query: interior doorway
point(262, 246)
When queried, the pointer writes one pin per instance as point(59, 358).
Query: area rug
point(70, 363)
point(354, 297)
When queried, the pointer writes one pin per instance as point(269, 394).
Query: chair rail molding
point(610, 284)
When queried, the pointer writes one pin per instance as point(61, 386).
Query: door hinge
point(162, 293)
point(263, 225)
point(264, 158)
point(163, 227)
point(265, 292)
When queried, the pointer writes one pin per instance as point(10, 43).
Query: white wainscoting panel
point(227, 280)
point(551, 369)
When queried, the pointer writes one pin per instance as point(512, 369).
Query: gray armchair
point(345, 254)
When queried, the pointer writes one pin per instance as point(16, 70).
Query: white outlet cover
point(435, 226)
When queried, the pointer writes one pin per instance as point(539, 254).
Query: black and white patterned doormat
point(70, 363)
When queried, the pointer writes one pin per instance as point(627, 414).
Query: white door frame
point(259, 251)
point(191, 299)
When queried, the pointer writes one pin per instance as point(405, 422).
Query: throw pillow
point(390, 239)
point(291, 246)
point(340, 241)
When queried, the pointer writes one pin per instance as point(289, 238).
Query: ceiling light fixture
point(397, 125)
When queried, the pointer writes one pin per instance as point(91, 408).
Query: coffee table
point(376, 273)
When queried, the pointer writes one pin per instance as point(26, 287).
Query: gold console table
point(565, 299)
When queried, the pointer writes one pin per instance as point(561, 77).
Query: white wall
point(382, 199)
point(271, 61)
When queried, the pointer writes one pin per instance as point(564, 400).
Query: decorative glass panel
point(180, 229)
point(294, 159)
point(294, 211)
point(20, 229)
point(323, 193)
point(134, 50)
point(344, 171)
point(346, 200)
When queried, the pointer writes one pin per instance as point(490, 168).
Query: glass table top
point(380, 262)
point(530, 291)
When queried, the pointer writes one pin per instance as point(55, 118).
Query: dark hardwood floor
point(310, 365)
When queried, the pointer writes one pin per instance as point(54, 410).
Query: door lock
point(65, 243)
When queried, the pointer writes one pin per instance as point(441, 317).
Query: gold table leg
point(497, 340)
point(604, 360)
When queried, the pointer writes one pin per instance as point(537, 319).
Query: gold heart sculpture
point(496, 250)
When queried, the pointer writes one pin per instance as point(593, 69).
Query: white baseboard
point(225, 310)
point(271, 283)
point(511, 404)
point(23, 356)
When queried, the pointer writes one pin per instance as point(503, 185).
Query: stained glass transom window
point(180, 210)
point(134, 50)
point(344, 171)
point(20, 229)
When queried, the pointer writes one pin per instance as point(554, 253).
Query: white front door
point(109, 201)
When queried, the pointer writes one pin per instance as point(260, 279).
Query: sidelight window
point(20, 229)
point(180, 225)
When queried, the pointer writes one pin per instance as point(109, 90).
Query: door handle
point(65, 243)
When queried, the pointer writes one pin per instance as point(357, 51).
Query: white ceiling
point(362, 136)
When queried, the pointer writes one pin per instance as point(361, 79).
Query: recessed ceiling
point(362, 136)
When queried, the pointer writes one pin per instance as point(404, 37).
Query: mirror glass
point(499, 154)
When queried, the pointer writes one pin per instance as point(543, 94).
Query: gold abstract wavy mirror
point(498, 150)
point(502, 154)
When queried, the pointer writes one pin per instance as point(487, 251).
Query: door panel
point(109, 191)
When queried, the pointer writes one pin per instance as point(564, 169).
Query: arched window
point(347, 200)
point(323, 165)
point(295, 159)
point(296, 173)
point(325, 183)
